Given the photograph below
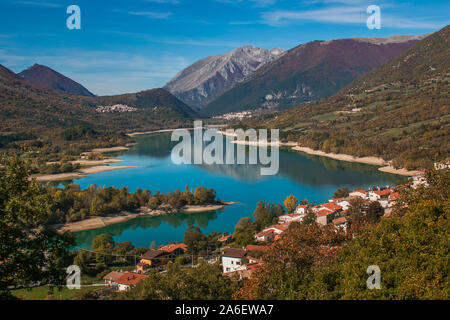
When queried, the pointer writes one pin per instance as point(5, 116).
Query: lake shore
point(78, 174)
point(171, 130)
point(101, 222)
point(384, 166)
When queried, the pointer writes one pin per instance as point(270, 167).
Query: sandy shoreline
point(101, 222)
point(384, 165)
point(170, 130)
point(79, 174)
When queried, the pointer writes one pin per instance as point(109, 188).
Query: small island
point(98, 207)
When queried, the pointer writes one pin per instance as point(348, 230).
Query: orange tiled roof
point(224, 238)
point(332, 206)
point(264, 233)
point(131, 278)
point(323, 212)
point(172, 247)
point(384, 192)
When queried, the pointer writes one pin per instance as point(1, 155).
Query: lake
point(305, 176)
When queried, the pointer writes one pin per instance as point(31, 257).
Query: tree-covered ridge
point(35, 117)
point(399, 111)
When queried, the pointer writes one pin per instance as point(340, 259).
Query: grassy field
point(42, 293)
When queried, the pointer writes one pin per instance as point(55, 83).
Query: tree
point(195, 240)
point(289, 265)
point(266, 215)
point(30, 251)
point(205, 282)
point(244, 232)
point(290, 203)
point(342, 192)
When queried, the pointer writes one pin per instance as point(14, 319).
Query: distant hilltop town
point(115, 108)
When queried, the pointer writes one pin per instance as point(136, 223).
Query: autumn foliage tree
point(290, 203)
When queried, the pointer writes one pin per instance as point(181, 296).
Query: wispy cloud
point(109, 73)
point(151, 14)
point(345, 15)
point(201, 42)
point(38, 3)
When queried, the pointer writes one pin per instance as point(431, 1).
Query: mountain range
point(309, 72)
point(205, 80)
point(398, 111)
point(30, 107)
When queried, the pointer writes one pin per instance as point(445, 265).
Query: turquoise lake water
point(307, 177)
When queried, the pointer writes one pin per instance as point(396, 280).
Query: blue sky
point(128, 46)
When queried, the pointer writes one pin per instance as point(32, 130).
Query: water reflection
point(163, 223)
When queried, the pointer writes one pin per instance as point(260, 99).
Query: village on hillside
point(245, 260)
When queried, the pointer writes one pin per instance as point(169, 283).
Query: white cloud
point(345, 15)
point(151, 14)
point(38, 3)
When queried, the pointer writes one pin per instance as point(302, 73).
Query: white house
point(232, 259)
point(265, 236)
point(290, 217)
point(344, 204)
point(361, 193)
point(340, 223)
point(301, 209)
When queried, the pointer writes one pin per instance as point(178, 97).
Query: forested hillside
point(33, 117)
point(399, 111)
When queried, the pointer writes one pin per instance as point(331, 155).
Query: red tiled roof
point(394, 195)
point(131, 278)
point(172, 247)
point(360, 190)
point(113, 276)
point(323, 212)
point(332, 206)
point(384, 192)
point(264, 233)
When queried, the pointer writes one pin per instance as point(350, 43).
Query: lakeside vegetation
point(308, 262)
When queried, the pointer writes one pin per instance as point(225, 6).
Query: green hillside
point(34, 118)
point(399, 111)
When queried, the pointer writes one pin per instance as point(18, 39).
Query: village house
point(376, 195)
point(128, 280)
point(325, 217)
point(340, 223)
point(290, 217)
point(302, 209)
point(359, 193)
point(265, 236)
point(278, 228)
point(232, 259)
point(152, 258)
point(112, 278)
point(418, 180)
point(174, 249)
